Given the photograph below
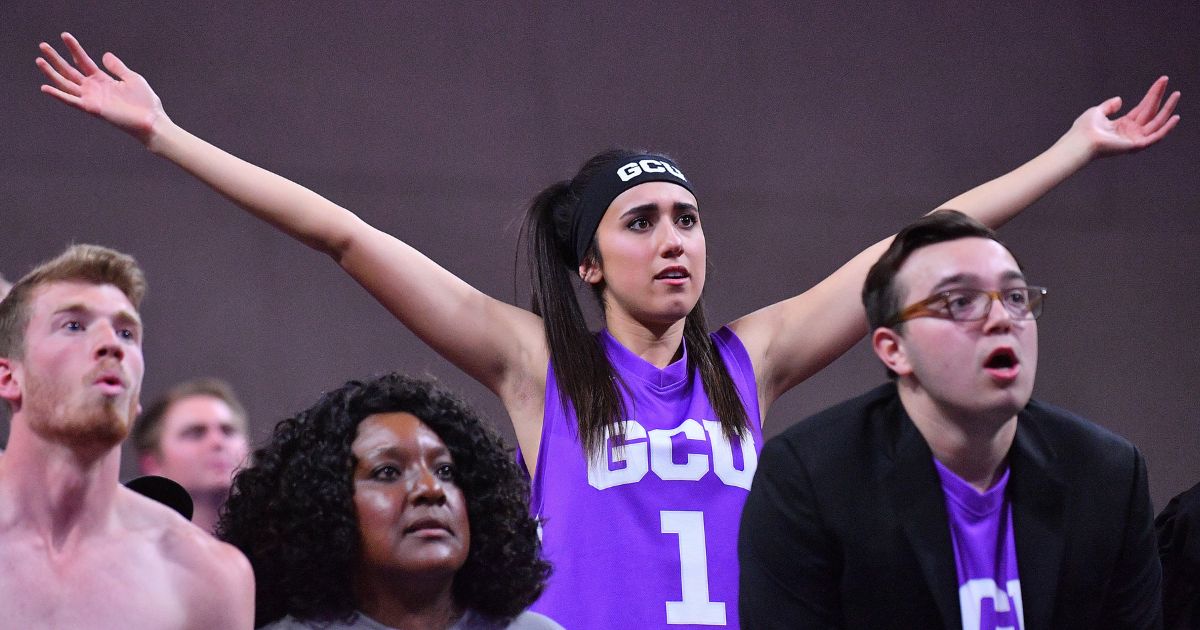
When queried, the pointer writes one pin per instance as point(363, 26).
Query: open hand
point(1139, 128)
point(125, 101)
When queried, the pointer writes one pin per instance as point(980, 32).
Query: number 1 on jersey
point(695, 608)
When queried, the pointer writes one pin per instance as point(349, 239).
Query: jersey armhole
point(552, 410)
point(741, 370)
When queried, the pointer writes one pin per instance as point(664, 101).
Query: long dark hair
point(584, 374)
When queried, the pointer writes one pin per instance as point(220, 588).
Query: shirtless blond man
point(77, 550)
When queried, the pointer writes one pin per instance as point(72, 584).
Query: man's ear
point(889, 347)
point(10, 386)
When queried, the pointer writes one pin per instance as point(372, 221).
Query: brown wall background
point(811, 130)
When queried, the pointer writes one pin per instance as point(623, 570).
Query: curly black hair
point(292, 513)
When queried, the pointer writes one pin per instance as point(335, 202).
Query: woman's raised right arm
point(498, 344)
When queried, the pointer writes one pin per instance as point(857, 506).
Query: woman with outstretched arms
point(641, 439)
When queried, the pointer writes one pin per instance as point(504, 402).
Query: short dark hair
point(292, 512)
point(147, 431)
point(880, 295)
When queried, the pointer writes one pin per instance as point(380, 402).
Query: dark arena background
point(810, 131)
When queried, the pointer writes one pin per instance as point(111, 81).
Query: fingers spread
point(1165, 112)
point(59, 64)
point(117, 67)
point(1111, 106)
point(57, 79)
point(69, 99)
point(1164, 130)
point(1146, 109)
point(85, 63)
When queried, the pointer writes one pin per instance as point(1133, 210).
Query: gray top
point(469, 621)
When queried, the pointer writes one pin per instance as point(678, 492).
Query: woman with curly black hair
point(388, 503)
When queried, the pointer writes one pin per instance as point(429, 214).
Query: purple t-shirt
point(647, 536)
point(985, 553)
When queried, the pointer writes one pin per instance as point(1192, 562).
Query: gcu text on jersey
point(642, 451)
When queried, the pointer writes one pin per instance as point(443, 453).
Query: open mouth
point(111, 383)
point(673, 273)
point(1003, 366)
point(1001, 359)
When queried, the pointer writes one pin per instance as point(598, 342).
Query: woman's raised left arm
point(791, 340)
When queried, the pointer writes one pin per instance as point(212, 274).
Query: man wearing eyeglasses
point(947, 498)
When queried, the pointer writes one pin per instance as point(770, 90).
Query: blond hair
point(79, 263)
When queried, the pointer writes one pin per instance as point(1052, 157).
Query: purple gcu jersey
point(985, 553)
point(646, 537)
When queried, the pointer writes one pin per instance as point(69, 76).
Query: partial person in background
point(5, 285)
point(194, 435)
point(388, 504)
point(78, 550)
point(1178, 528)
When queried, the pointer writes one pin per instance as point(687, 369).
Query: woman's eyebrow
point(640, 209)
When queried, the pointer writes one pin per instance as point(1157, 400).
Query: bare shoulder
point(205, 557)
point(215, 581)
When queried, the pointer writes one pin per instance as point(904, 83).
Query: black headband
point(612, 179)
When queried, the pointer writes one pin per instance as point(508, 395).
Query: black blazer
point(846, 525)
